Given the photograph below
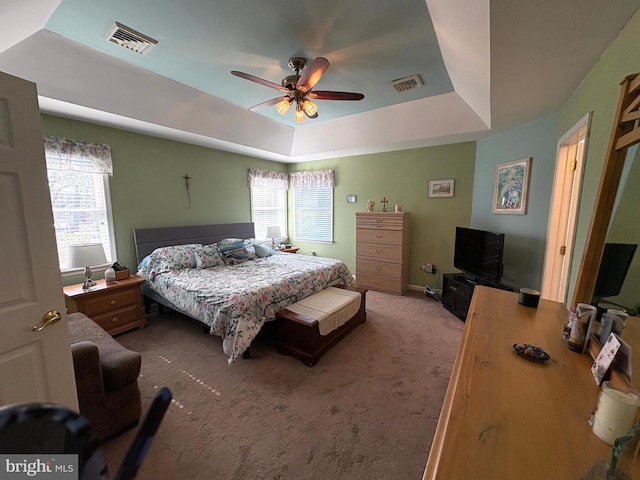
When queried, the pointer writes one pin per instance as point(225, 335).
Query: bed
point(235, 298)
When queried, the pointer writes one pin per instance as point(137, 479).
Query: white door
point(563, 213)
point(35, 366)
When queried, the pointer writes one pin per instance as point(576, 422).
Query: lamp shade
point(273, 232)
point(87, 255)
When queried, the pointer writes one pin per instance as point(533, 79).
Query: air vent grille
point(407, 83)
point(128, 38)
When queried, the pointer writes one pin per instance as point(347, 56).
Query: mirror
point(625, 228)
point(625, 134)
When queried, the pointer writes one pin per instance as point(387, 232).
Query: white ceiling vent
point(128, 38)
point(407, 83)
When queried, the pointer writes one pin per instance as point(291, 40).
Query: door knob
point(49, 318)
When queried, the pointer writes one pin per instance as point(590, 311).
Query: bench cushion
point(331, 307)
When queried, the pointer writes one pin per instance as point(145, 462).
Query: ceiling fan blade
point(328, 95)
point(268, 103)
point(312, 73)
point(259, 80)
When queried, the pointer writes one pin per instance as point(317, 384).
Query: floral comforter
point(234, 301)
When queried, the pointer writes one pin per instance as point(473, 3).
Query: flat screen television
point(478, 254)
point(616, 259)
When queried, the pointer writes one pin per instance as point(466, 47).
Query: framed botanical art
point(510, 190)
point(441, 188)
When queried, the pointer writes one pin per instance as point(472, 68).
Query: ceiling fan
point(298, 88)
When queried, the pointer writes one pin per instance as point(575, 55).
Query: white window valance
point(267, 178)
point(313, 179)
point(65, 154)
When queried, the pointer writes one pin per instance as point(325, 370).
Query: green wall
point(525, 235)
point(402, 177)
point(598, 93)
point(147, 188)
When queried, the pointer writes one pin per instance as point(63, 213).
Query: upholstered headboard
point(148, 239)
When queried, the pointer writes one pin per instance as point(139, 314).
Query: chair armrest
point(88, 371)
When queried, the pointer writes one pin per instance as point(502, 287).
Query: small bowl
point(531, 352)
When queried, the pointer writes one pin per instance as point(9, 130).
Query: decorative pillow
point(174, 258)
point(143, 267)
point(249, 245)
point(263, 250)
point(234, 252)
point(209, 256)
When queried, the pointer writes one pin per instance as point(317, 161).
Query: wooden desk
point(506, 417)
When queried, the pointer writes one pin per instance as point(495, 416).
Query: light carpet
point(367, 410)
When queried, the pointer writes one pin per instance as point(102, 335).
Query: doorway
point(570, 156)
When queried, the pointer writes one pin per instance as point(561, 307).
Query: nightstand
point(290, 250)
point(116, 307)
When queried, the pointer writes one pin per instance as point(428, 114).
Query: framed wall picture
point(441, 188)
point(510, 190)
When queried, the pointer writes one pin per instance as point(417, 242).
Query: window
point(79, 185)
point(313, 205)
point(268, 201)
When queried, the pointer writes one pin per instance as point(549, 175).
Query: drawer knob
point(378, 250)
point(377, 281)
point(112, 303)
point(114, 319)
point(378, 236)
point(378, 268)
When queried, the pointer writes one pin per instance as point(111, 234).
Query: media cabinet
point(457, 292)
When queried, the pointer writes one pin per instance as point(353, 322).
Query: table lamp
point(85, 256)
point(273, 233)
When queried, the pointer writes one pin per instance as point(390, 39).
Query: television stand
point(457, 291)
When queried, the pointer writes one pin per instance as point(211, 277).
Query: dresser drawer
point(392, 237)
point(114, 319)
point(379, 282)
point(379, 251)
point(110, 301)
point(393, 222)
point(379, 268)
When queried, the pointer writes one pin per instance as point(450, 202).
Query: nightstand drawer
point(110, 302)
point(114, 319)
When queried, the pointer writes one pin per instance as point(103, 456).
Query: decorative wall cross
point(384, 202)
point(186, 185)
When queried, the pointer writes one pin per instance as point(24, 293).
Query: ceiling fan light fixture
point(309, 107)
point(299, 115)
point(283, 106)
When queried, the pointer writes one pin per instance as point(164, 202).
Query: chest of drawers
point(116, 307)
point(382, 251)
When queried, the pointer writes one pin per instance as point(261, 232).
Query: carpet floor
point(367, 409)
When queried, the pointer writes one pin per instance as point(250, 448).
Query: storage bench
point(298, 327)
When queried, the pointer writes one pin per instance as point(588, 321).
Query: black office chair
point(51, 430)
